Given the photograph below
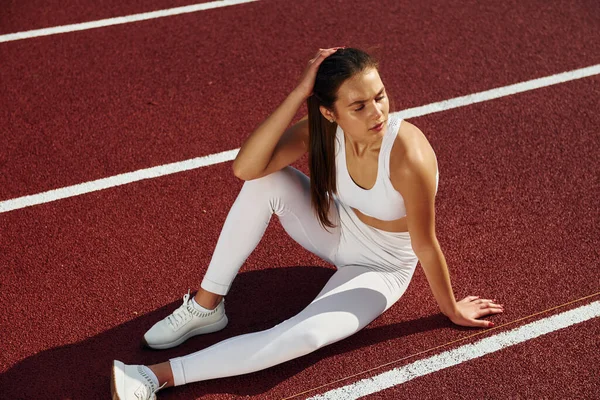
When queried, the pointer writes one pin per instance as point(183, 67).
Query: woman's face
point(362, 107)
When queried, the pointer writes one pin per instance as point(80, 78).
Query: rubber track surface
point(83, 278)
point(91, 104)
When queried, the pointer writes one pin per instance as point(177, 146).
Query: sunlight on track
point(167, 169)
point(120, 20)
point(92, 236)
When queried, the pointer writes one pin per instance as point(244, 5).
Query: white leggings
point(374, 270)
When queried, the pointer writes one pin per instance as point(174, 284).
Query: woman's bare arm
point(271, 146)
point(272, 141)
point(416, 181)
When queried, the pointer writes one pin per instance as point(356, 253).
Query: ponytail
point(321, 161)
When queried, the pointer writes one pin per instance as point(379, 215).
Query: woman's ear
point(327, 114)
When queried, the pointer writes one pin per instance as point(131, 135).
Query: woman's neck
point(364, 145)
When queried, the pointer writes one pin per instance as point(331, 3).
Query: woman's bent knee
point(283, 185)
point(284, 177)
point(313, 340)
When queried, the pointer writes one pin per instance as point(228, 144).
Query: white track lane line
point(116, 180)
point(462, 354)
point(120, 20)
point(154, 172)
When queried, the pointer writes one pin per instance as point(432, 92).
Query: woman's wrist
point(299, 94)
point(450, 311)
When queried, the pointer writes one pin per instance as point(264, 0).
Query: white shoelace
point(181, 315)
point(147, 391)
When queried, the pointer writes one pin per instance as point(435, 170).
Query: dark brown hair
point(333, 71)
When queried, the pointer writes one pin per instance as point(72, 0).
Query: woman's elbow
point(425, 247)
point(239, 172)
point(243, 173)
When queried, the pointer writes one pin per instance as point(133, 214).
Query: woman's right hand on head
point(307, 81)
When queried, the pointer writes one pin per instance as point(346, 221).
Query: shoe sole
point(113, 380)
point(217, 326)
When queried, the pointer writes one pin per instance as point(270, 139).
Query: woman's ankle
point(163, 373)
point(207, 299)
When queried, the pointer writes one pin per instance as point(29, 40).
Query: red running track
point(84, 277)
point(562, 365)
point(97, 270)
point(138, 95)
point(38, 14)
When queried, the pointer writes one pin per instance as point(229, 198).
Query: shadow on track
point(258, 300)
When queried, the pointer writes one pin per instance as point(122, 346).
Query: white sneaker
point(131, 382)
point(184, 323)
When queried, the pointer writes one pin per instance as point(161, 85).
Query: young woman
point(368, 208)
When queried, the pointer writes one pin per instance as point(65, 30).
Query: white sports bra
point(382, 201)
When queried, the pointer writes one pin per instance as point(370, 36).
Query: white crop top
point(382, 201)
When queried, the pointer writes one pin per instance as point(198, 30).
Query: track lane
point(515, 211)
point(559, 365)
point(38, 14)
point(129, 97)
point(212, 159)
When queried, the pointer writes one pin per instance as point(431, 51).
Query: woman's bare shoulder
point(411, 144)
point(411, 154)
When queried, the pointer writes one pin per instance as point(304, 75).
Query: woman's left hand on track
point(471, 308)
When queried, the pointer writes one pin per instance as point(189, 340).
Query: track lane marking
point(438, 347)
point(116, 180)
point(120, 20)
point(502, 91)
point(462, 354)
point(180, 166)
